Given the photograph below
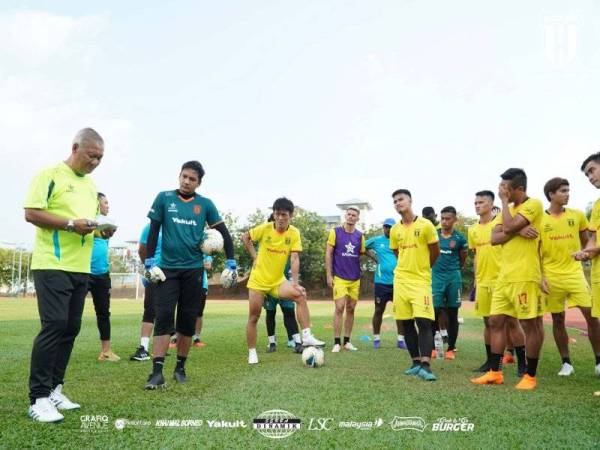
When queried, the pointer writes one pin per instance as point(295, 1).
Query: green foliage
point(462, 225)
point(9, 268)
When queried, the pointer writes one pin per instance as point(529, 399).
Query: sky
point(319, 101)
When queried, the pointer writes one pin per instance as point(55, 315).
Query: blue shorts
point(383, 293)
point(270, 303)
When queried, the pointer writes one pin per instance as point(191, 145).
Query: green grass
point(361, 386)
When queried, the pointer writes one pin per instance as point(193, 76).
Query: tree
point(462, 225)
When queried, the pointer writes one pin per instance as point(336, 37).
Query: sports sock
point(425, 366)
point(337, 341)
point(145, 342)
point(271, 339)
point(488, 352)
point(196, 337)
point(401, 337)
point(532, 366)
point(346, 339)
point(521, 361)
point(566, 360)
point(252, 352)
point(296, 338)
point(597, 359)
point(444, 333)
point(157, 364)
point(180, 362)
point(496, 361)
point(376, 337)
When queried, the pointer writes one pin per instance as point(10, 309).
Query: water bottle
point(438, 343)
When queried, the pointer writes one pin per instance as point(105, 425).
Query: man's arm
point(474, 267)
point(152, 241)
point(44, 219)
point(142, 251)
point(434, 252)
point(463, 257)
point(328, 264)
point(249, 246)
point(584, 237)
point(295, 267)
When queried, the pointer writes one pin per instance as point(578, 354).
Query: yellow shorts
point(483, 300)
point(522, 300)
point(575, 291)
point(345, 288)
point(413, 300)
point(273, 291)
point(596, 299)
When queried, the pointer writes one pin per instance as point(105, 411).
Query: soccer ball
point(212, 242)
point(228, 278)
point(313, 357)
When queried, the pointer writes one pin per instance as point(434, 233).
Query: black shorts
point(149, 294)
point(181, 291)
point(202, 302)
point(384, 293)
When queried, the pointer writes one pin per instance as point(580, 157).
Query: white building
point(365, 208)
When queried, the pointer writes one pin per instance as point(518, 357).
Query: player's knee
point(423, 324)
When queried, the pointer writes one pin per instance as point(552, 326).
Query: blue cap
point(389, 222)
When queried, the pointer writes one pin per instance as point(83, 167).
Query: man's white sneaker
point(61, 401)
point(252, 358)
point(310, 340)
point(566, 370)
point(349, 346)
point(597, 370)
point(336, 348)
point(43, 410)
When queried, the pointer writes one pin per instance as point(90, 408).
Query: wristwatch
point(70, 226)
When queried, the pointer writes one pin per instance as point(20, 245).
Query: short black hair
point(554, 185)
point(517, 178)
point(271, 218)
point(194, 165)
point(448, 209)
point(428, 211)
point(402, 191)
point(485, 193)
point(101, 195)
point(283, 204)
point(593, 157)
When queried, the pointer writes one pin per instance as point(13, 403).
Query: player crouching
point(277, 241)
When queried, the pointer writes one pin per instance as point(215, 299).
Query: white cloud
point(33, 37)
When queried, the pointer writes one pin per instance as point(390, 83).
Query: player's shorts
point(384, 293)
point(202, 301)
point(522, 300)
point(483, 300)
point(412, 301)
point(575, 291)
point(447, 291)
point(270, 303)
point(179, 292)
point(345, 288)
point(272, 291)
point(596, 300)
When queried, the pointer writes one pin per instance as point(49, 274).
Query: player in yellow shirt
point(487, 266)
point(564, 232)
point(517, 291)
point(415, 242)
point(277, 241)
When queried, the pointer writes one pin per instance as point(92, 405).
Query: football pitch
point(356, 400)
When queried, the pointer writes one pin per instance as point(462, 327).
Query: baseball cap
point(389, 222)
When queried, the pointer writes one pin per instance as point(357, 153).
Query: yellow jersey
point(274, 249)
point(560, 239)
point(487, 255)
point(412, 242)
point(520, 256)
point(594, 227)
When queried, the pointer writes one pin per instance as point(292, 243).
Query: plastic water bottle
point(438, 343)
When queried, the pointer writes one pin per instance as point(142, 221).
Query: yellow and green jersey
point(64, 193)
point(274, 249)
point(412, 242)
point(594, 227)
point(560, 239)
point(487, 256)
point(520, 256)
